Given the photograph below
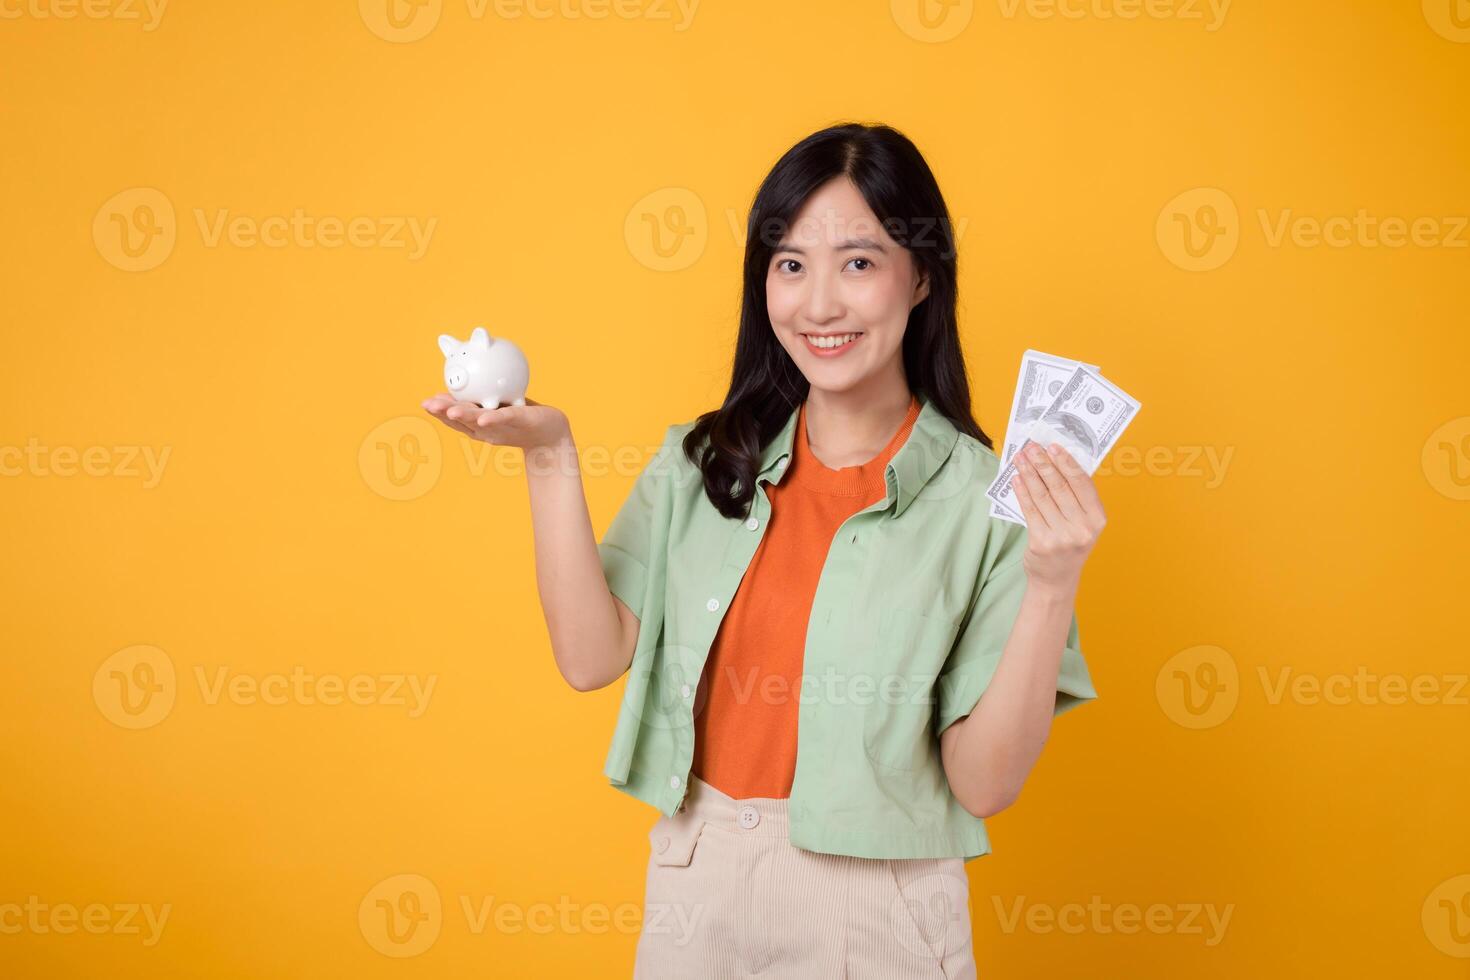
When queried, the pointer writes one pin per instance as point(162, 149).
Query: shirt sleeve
point(982, 639)
point(626, 549)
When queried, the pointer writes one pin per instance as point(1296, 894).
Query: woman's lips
point(831, 351)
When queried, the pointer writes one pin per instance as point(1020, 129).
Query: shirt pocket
point(908, 651)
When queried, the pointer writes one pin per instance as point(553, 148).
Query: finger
point(437, 406)
point(1057, 484)
point(456, 426)
point(495, 417)
point(463, 411)
point(1082, 486)
point(1040, 495)
point(455, 415)
point(1023, 497)
point(438, 403)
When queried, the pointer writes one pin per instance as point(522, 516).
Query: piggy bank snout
point(458, 370)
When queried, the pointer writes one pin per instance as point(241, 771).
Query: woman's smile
point(831, 344)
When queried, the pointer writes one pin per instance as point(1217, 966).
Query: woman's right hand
point(527, 426)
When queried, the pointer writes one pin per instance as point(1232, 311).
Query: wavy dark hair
point(765, 383)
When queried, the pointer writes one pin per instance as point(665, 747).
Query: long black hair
point(765, 383)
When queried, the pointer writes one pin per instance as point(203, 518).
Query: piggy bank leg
point(519, 401)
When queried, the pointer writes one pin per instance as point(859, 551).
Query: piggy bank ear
point(480, 340)
point(448, 344)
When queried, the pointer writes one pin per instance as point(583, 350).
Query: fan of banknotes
point(1059, 401)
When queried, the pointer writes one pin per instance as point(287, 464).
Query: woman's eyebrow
point(867, 243)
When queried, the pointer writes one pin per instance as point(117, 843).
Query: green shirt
point(910, 616)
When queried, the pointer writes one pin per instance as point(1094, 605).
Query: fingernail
point(1055, 449)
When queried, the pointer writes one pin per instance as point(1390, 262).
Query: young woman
point(809, 596)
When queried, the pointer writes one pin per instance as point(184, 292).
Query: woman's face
point(839, 290)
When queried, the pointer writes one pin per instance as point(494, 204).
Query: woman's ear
point(921, 291)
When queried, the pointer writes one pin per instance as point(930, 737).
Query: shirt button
point(752, 524)
point(749, 817)
point(684, 691)
point(663, 844)
point(673, 782)
point(713, 604)
point(781, 463)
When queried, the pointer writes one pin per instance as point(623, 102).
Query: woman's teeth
point(830, 342)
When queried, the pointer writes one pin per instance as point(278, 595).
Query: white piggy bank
point(486, 370)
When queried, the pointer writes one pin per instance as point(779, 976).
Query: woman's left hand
point(1063, 515)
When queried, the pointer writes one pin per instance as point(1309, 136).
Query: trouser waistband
point(759, 816)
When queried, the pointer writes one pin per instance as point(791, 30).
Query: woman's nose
point(823, 302)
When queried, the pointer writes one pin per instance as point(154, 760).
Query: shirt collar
point(929, 444)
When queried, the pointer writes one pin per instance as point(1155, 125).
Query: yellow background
point(546, 149)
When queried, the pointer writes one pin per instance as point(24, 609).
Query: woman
point(809, 596)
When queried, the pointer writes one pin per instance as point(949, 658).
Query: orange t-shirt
point(745, 733)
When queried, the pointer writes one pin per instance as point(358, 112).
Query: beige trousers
point(728, 898)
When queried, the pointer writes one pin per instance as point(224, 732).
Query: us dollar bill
point(1040, 379)
point(1087, 417)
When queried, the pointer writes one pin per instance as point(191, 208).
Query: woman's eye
point(783, 262)
point(866, 263)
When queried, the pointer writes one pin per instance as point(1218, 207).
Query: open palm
point(527, 426)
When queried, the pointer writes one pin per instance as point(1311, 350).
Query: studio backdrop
point(276, 694)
